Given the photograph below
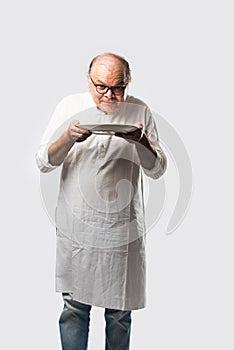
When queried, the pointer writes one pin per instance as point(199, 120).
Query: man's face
point(107, 71)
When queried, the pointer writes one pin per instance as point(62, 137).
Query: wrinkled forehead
point(108, 68)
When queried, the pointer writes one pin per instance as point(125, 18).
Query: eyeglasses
point(103, 89)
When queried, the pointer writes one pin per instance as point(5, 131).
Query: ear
point(89, 83)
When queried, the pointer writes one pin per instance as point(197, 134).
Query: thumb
point(139, 125)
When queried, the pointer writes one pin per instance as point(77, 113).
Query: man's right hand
point(59, 149)
point(77, 134)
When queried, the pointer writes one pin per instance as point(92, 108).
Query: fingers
point(139, 125)
point(78, 134)
point(134, 136)
point(77, 129)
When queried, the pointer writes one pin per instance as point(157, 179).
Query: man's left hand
point(134, 136)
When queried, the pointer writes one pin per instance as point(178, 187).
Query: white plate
point(109, 128)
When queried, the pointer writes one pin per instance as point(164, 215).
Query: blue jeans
point(74, 326)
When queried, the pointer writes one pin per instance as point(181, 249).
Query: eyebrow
point(99, 82)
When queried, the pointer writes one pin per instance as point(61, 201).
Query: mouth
point(109, 102)
point(112, 100)
point(109, 105)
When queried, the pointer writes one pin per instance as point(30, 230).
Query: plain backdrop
point(181, 55)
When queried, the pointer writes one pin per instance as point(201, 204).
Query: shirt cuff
point(43, 161)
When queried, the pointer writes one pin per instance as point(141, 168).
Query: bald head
point(113, 64)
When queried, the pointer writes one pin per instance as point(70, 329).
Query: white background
point(181, 55)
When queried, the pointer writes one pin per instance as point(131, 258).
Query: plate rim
point(86, 127)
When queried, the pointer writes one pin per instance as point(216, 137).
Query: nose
point(109, 93)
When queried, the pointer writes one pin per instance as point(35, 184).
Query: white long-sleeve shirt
point(100, 210)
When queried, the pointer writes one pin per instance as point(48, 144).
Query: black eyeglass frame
point(107, 88)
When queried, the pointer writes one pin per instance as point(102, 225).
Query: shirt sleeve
point(52, 132)
point(151, 133)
